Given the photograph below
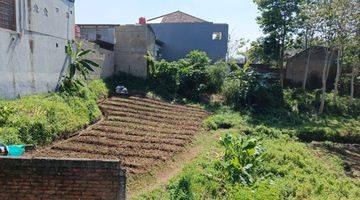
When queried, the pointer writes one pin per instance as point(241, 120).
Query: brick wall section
point(7, 14)
point(34, 179)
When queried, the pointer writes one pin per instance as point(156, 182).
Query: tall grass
point(40, 119)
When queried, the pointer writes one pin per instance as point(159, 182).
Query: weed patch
point(40, 119)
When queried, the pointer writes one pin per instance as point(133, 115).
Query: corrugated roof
point(176, 17)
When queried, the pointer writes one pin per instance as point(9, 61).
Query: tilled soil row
point(111, 150)
point(139, 132)
point(132, 138)
point(159, 102)
point(155, 106)
point(98, 141)
point(164, 104)
point(133, 165)
point(142, 122)
point(148, 128)
point(118, 112)
point(149, 109)
point(120, 115)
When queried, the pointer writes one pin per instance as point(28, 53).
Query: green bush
point(242, 159)
point(345, 83)
point(263, 131)
point(246, 88)
point(99, 89)
point(225, 120)
point(192, 75)
point(164, 78)
point(296, 100)
point(40, 119)
point(216, 76)
point(181, 190)
point(304, 102)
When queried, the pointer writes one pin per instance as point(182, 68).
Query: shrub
point(345, 83)
point(181, 190)
point(164, 78)
point(99, 89)
point(242, 159)
point(218, 122)
point(303, 102)
point(197, 59)
point(192, 75)
point(40, 119)
point(4, 113)
point(216, 76)
point(246, 88)
point(263, 131)
point(224, 120)
point(297, 100)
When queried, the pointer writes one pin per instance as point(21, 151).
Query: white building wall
point(33, 58)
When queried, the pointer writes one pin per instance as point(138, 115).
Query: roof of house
point(314, 50)
point(176, 17)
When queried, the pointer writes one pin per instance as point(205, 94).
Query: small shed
point(296, 65)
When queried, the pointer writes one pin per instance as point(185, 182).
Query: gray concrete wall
point(295, 69)
point(107, 32)
point(33, 57)
point(103, 57)
point(181, 38)
point(133, 43)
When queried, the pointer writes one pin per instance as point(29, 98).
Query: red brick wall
point(34, 179)
point(8, 14)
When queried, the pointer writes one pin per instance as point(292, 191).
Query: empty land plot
point(140, 132)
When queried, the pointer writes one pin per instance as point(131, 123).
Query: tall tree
point(343, 18)
point(325, 22)
point(307, 27)
point(354, 43)
point(278, 21)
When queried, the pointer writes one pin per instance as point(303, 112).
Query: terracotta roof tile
point(176, 17)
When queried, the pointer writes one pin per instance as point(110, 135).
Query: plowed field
point(140, 132)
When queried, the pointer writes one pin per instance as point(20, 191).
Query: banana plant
point(77, 61)
point(79, 64)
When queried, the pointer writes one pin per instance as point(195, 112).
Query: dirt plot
point(140, 132)
point(349, 153)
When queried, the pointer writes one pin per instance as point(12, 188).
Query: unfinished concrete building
point(133, 43)
point(101, 34)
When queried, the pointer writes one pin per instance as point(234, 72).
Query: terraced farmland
point(140, 132)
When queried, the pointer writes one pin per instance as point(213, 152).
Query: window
point(8, 14)
point(98, 36)
point(217, 36)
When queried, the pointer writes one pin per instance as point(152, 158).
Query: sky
point(239, 14)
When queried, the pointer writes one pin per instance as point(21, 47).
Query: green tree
point(345, 22)
point(338, 29)
point(307, 27)
point(278, 21)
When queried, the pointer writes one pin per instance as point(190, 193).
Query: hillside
point(140, 132)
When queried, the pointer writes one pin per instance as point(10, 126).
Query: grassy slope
point(39, 119)
point(295, 170)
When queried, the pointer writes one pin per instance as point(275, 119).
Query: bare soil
point(349, 153)
point(140, 132)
